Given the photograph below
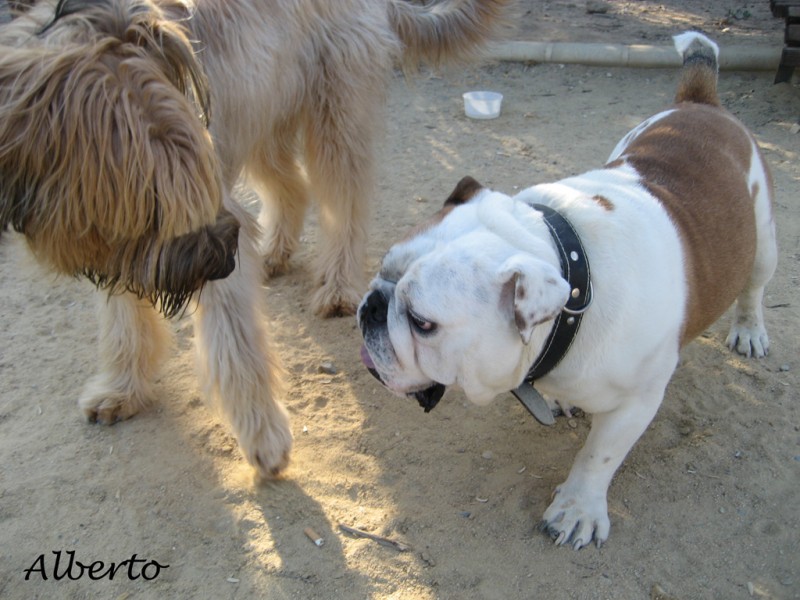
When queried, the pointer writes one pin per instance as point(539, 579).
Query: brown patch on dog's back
point(681, 164)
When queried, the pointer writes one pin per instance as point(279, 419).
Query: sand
point(705, 506)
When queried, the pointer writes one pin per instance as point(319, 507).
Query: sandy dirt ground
point(705, 506)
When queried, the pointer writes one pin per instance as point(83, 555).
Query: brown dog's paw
point(276, 252)
point(330, 301)
point(276, 265)
point(270, 466)
point(268, 445)
point(337, 310)
point(109, 408)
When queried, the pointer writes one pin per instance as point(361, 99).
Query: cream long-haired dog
point(124, 125)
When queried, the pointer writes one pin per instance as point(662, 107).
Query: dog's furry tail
point(448, 31)
point(698, 81)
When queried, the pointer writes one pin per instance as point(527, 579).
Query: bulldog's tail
point(698, 81)
point(447, 31)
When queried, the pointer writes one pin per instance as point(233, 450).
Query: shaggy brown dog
point(108, 167)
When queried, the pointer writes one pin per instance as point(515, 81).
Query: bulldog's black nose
point(373, 313)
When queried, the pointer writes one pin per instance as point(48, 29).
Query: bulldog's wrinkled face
point(456, 303)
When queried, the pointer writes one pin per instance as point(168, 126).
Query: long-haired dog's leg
point(133, 341)
point(274, 172)
point(340, 163)
point(240, 372)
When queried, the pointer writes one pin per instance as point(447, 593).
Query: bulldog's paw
point(748, 339)
point(576, 519)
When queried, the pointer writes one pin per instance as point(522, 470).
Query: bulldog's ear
point(535, 291)
point(465, 190)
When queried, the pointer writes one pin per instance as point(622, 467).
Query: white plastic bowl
point(482, 105)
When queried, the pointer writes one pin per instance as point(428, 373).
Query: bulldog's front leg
point(579, 511)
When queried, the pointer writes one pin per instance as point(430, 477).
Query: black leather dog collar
point(575, 268)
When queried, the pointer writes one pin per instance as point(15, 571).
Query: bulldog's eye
point(421, 325)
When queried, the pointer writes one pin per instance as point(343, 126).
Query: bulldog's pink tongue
point(365, 358)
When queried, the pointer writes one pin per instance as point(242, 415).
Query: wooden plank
point(784, 74)
point(792, 35)
point(780, 8)
point(790, 58)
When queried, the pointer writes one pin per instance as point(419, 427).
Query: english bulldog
point(605, 276)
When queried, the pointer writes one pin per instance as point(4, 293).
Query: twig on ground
point(399, 546)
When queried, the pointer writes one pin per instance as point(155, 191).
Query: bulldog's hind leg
point(133, 340)
point(748, 335)
point(234, 359)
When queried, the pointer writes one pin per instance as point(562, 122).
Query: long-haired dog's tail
point(448, 31)
point(698, 81)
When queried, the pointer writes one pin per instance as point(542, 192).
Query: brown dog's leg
point(339, 146)
point(284, 197)
point(133, 341)
point(240, 372)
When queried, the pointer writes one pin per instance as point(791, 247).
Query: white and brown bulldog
point(635, 260)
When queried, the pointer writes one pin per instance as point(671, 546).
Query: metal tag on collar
point(535, 403)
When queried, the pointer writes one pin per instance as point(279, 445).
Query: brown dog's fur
point(124, 125)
